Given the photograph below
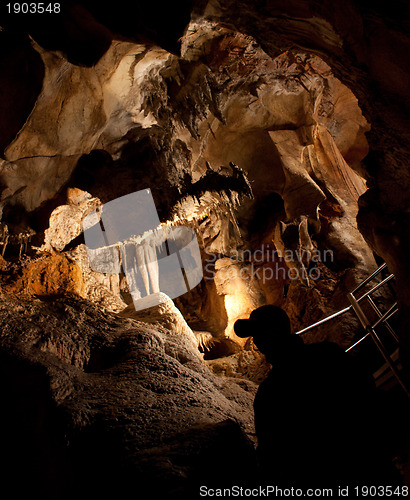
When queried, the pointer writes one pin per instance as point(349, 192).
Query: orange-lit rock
point(268, 127)
point(51, 276)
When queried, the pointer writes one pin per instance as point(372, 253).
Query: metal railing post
point(368, 327)
point(372, 332)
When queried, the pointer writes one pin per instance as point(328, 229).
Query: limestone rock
point(48, 276)
point(103, 289)
point(269, 127)
point(65, 225)
point(128, 399)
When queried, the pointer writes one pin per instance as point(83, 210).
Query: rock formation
point(277, 132)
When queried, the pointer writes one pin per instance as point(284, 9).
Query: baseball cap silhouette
point(270, 328)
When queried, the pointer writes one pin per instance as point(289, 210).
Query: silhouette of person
point(316, 414)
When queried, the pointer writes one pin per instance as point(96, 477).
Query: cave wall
point(265, 127)
point(293, 95)
point(144, 116)
point(363, 44)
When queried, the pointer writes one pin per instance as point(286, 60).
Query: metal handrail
point(376, 339)
point(368, 327)
point(324, 320)
point(369, 278)
point(376, 287)
point(343, 311)
point(384, 318)
point(357, 342)
point(346, 309)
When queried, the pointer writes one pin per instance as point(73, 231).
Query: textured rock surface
point(175, 124)
point(133, 113)
point(127, 401)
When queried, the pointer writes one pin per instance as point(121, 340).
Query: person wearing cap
point(315, 412)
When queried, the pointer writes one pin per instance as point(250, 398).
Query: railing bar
point(369, 278)
point(366, 325)
point(388, 314)
point(342, 311)
point(358, 342)
point(376, 287)
point(374, 306)
point(383, 318)
point(392, 314)
point(324, 320)
point(389, 361)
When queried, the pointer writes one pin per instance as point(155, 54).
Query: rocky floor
point(98, 404)
point(93, 402)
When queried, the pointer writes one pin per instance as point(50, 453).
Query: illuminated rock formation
point(277, 131)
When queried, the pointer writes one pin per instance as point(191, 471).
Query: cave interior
point(278, 133)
